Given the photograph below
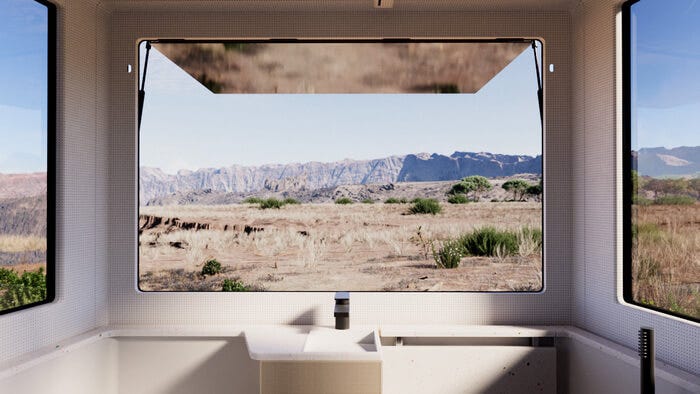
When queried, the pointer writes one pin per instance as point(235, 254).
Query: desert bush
point(394, 200)
point(253, 200)
point(21, 290)
point(344, 201)
point(475, 184)
point(271, 203)
point(234, 285)
point(211, 267)
point(675, 200)
point(639, 200)
point(425, 206)
point(290, 201)
point(488, 241)
point(518, 187)
point(449, 254)
point(368, 201)
point(529, 241)
point(458, 199)
point(534, 190)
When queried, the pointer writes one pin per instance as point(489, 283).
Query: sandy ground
point(327, 247)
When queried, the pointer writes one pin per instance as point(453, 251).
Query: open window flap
point(341, 67)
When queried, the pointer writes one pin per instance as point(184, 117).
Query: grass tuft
point(425, 206)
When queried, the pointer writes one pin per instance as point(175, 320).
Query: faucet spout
point(342, 310)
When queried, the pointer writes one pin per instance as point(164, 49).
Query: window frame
point(540, 41)
point(627, 294)
point(51, 110)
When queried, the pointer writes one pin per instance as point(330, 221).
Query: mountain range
point(662, 162)
point(421, 167)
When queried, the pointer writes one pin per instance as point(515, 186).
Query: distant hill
point(155, 183)
point(22, 185)
point(23, 216)
point(661, 162)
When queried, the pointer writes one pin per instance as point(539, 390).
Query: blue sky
point(667, 64)
point(23, 45)
point(187, 127)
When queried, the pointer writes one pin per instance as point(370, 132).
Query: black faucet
point(342, 310)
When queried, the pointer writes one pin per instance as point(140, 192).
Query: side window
point(27, 129)
point(661, 46)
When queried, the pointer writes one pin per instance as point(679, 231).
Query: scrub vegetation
point(666, 244)
point(406, 243)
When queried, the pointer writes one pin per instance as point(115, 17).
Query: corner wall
point(597, 173)
point(81, 259)
point(131, 23)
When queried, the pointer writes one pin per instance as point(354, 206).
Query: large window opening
point(662, 155)
point(322, 166)
point(27, 113)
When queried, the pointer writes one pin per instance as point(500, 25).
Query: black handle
point(646, 360)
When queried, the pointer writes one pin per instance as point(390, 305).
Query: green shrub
point(290, 201)
point(458, 199)
point(253, 200)
point(368, 201)
point(425, 206)
point(675, 200)
point(211, 267)
point(643, 201)
point(394, 200)
point(518, 187)
point(449, 254)
point(28, 288)
point(475, 184)
point(344, 201)
point(488, 241)
point(234, 285)
point(271, 203)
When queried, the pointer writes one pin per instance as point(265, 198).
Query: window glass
point(26, 127)
point(663, 118)
point(361, 166)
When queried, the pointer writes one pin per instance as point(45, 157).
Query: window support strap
point(539, 84)
point(142, 91)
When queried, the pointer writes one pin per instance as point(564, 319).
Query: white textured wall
point(597, 174)
point(130, 23)
point(81, 255)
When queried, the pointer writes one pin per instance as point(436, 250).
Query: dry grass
point(666, 258)
point(19, 243)
point(330, 246)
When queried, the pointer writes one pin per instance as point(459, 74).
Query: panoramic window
point(26, 130)
point(323, 166)
point(662, 138)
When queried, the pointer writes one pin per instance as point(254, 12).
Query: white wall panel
point(217, 20)
point(81, 287)
point(597, 229)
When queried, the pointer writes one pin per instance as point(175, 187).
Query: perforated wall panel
point(597, 172)
point(82, 287)
point(178, 20)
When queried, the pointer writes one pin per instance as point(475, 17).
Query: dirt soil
point(328, 247)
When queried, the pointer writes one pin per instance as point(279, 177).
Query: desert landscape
point(22, 239)
point(351, 237)
point(666, 243)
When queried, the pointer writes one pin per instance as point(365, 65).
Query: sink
point(328, 340)
point(306, 343)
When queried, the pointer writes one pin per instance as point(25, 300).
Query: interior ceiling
point(358, 5)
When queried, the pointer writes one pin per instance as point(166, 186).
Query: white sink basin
point(328, 340)
point(305, 343)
